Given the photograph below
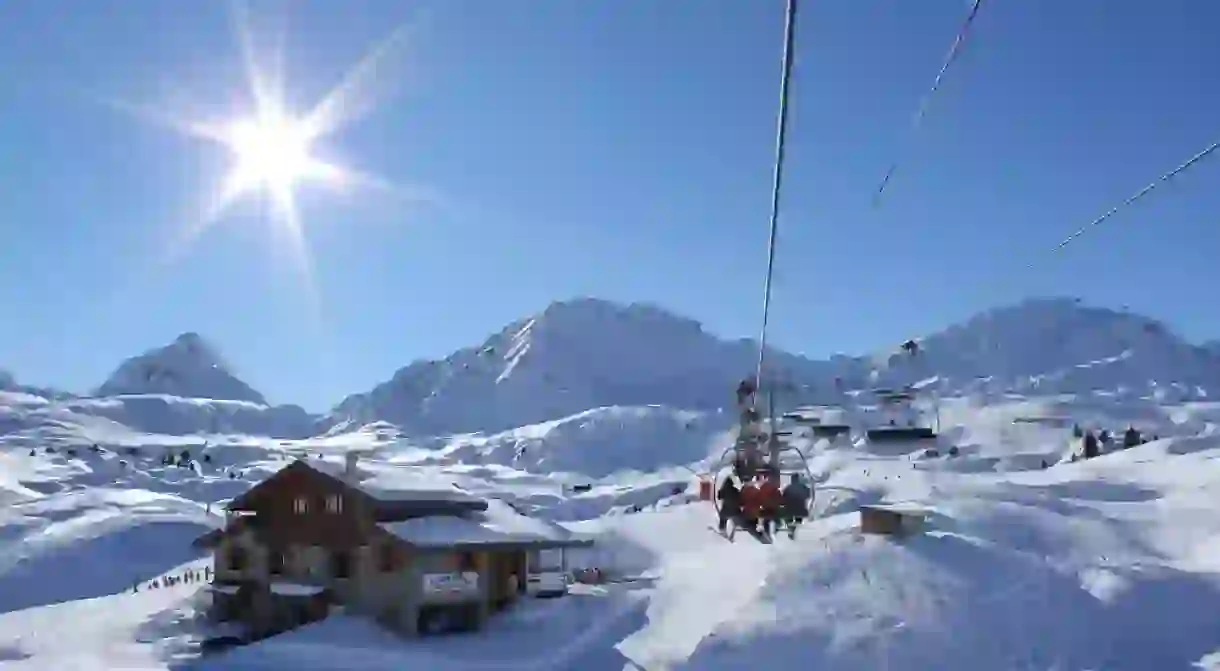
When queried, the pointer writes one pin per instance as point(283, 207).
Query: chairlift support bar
point(777, 183)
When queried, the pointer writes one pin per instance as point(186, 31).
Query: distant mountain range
point(588, 353)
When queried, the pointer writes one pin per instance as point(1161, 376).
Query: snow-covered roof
point(500, 523)
point(295, 589)
point(395, 486)
point(414, 488)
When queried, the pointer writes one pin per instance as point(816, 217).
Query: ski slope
point(1111, 563)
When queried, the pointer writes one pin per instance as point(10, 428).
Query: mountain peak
point(189, 367)
point(1063, 344)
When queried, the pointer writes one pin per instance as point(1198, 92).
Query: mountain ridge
point(585, 353)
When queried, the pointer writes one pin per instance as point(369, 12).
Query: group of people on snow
point(1093, 443)
point(759, 505)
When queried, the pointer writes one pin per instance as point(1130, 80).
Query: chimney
point(349, 466)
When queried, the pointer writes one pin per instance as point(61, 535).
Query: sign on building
point(451, 583)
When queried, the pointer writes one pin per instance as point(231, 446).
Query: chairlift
point(748, 447)
point(831, 431)
point(894, 434)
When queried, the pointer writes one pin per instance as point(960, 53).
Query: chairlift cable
point(777, 182)
point(925, 101)
point(1138, 195)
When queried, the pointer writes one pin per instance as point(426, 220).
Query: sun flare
point(270, 152)
point(274, 150)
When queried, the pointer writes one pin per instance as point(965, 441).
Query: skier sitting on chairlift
point(744, 391)
point(796, 503)
point(751, 505)
point(771, 502)
point(730, 503)
point(741, 467)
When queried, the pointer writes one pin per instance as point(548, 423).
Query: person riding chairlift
point(745, 391)
point(770, 502)
point(751, 506)
point(796, 503)
point(730, 503)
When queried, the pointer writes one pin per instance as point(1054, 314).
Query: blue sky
point(618, 149)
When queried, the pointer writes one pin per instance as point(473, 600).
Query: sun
point(271, 151)
point(274, 150)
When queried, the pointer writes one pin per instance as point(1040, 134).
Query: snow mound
point(594, 443)
point(89, 543)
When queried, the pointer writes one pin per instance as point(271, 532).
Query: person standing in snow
point(1131, 437)
point(730, 503)
point(1090, 446)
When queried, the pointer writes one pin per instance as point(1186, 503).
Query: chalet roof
point(500, 524)
point(411, 487)
point(209, 539)
point(430, 513)
point(399, 489)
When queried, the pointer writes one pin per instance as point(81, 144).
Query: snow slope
point(1109, 563)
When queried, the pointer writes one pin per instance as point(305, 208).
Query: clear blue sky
point(620, 149)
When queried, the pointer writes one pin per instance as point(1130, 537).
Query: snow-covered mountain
point(586, 354)
point(1212, 347)
point(188, 367)
point(571, 357)
point(1056, 345)
point(181, 389)
point(591, 353)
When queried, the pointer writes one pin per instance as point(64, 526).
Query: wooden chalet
point(308, 539)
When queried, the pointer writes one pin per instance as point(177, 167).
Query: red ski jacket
point(751, 499)
point(770, 495)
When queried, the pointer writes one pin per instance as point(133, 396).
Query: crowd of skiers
point(186, 578)
point(760, 506)
point(1092, 444)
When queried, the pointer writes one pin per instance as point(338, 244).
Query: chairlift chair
point(751, 438)
point(894, 435)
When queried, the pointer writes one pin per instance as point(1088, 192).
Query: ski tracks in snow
point(698, 591)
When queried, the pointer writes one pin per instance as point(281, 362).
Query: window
point(334, 503)
point(275, 562)
point(340, 564)
point(300, 505)
point(237, 559)
point(388, 558)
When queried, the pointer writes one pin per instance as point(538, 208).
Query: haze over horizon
point(620, 151)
